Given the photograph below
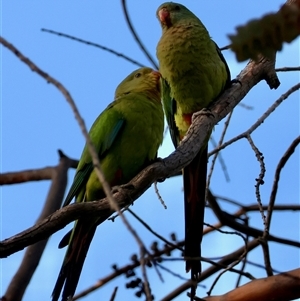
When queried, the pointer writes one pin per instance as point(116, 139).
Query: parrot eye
point(137, 75)
point(177, 7)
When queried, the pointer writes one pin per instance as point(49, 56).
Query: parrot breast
point(188, 58)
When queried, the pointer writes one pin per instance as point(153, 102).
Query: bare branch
point(285, 286)
point(23, 176)
point(280, 166)
point(34, 252)
point(40, 174)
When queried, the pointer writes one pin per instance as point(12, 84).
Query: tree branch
point(284, 286)
point(33, 254)
point(29, 175)
point(182, 156)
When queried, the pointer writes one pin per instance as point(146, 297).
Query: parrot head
point(170, 14)
point(141, 80)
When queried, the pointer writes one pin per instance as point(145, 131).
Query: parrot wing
point(170, 108)
point(228, 80)
point(102, 135)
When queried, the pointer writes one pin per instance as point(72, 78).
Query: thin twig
point(260, 120)
point(245, 106)
point(119, 54)
point(244, 262)
point(228, 268)
point(137, 39)
point(266, 251)
point(113, 296)
point(221, 160)
point(279, 167)
point(261, 266)
point(153, 232)
point(216, 155)
point(259, 182)
point(227, 47)
point(254, 207)
point(260, 179)
point(173, 273)
point(286, 69)
point(159, 195)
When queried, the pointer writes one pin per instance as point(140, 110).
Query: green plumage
point(126, 135)
point(190, 63)
point(194, 73)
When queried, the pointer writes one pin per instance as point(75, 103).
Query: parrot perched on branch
point(194, 73)
point(126, 135)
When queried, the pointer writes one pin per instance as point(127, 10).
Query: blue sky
point(36, 121)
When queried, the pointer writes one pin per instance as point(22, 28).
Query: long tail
point(194, 180)
point(69, 274)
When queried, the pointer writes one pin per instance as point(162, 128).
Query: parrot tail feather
point(70, 271)
point(194, 180)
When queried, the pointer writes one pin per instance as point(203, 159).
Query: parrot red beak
point(163, 15)
point(156, 73)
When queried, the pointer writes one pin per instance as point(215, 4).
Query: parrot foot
point(235, 81)
point(122, 188)
point(205, 111)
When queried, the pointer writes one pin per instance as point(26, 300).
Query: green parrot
point(126, 135)
point(193, 74)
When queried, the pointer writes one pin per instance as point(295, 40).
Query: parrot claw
point(205, 111)
point(235, 81)
point(122, 188)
